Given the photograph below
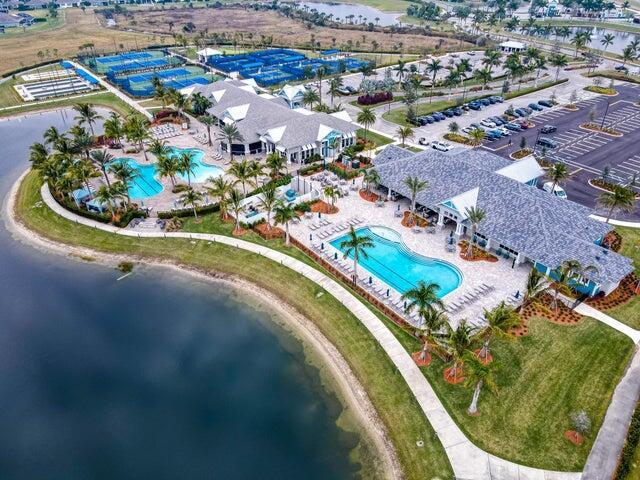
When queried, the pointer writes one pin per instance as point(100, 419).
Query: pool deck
point(500, 275)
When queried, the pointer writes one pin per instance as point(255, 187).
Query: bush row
point(628, 451)
point(376, 98)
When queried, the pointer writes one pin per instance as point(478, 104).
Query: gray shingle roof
point(544, 227)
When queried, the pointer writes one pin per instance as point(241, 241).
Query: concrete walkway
point(468, 461)
point(589, 311)
point(619, 223)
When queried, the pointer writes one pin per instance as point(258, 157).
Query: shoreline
point(335, 373)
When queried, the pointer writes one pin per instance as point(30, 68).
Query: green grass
point(394, 402)
point(374, 137)
point(630, 312)
point(37, 27)
point(543, 377)
point(8, 95)
point(103, 99)
point(384, 5)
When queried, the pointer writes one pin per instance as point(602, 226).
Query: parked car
point(457, 111)
point(549, 129)
point(536, 107)
point(429, 119)
point(492, 100)
point(496, 132)
point(497, 120)
point(448, 113)
point(547, 142)
point(423, 141)
point(524, 123)
point(514, 127)
point(485, 101)
point(475, 106)
point(558, 191)
point(528, 110)
point(521, 112)
point(439, 116)
point(545, 103)
point(492, 134)
point(468, 129)
point(442, 146)
point(487, 123)
point(476, 126)
point(498, 98)
point(505, 131)
point(621, 68)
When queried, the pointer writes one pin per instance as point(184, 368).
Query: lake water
point(156, 376)
point(621, 40)
point(361, 13)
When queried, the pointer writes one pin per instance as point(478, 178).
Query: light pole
point(605, 115)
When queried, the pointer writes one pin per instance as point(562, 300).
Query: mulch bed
point(238, 232)
point(592, 127)
point(487, 359)
point(323, 207)
point(563, 315)
point(453, 379)
point(614, 240)
point(419, 361)
point(478, 254)
point(368, 196)
point(268, 233)
point(621, 295)
point(574, 437)
point(407, 220)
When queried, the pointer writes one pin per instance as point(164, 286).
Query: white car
point(487, 123)
point(468, 129)
point(442, 146)
point(558, 191)
point(505, 131)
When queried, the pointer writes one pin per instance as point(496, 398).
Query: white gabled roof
point(523, 170)
point(465, 200)
point(238, 113)
point(323, 131)
point(209, 52)
point(342, 115)
point(217, 95)
point(276, 133)
point(303, 111)
point(291, 91)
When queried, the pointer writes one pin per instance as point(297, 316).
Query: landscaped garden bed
point(456, 137)
point(321, 206)
point(368, 195)
point(411, 221)
point(523, 152)
point(626, 291)
point(612, 92)
point(267, 232)
point(594, 127)
point(603, 184)
point(478, 254)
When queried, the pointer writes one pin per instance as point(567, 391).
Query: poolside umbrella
point(335, 256)
point(310, 236)
point(322, 246)
point(387, 292)
point(370, 280)
point(404, 305)
point(451, 234)
point(319, 214)
point(398, 207)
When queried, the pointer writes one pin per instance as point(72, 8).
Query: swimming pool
point(144, 185)
point(202, 171)
point(393, 263)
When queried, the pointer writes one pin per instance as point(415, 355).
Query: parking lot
point(587, 153)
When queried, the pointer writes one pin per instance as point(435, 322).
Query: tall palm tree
point(310, 97)
point(113, 128)
point(102, 158)
point(478, 374)
point(242, 171)
point(320, 74)
point(268, 199)
point(366, 117)
point(208, 122)
point(424, 299)
point(257, 170)
point(433, 67)
point(52, 135)
point(371, 178)
point(82, 143)
point(331, 192)
point(432, 322)
point(559, 61)
point(535, 287)
point(86, 114)
point(557, 173)
point(475, 216)
point(180, 101)
point(283, 214)
point(83, 171)
point(483, 75)
point(235, 202)
point(200, 103)
point(158, 148)
point(357, 245)
point(108, 196)
point(187, 164)
point(606, 40)
point(229, 133)
point(275, 163)
point(620, 199)
point(628, 53)
point(191, 197)
point(334, 88)
point(404, 133)
point(457, 344)
point(168, 166)
point(125, 173)
point(415, 186)
point(38, 154)
point(491, 59)
point(501, 320)
point(221, 189)
point(135, 129)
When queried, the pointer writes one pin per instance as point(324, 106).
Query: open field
point(100, 99)
point(284, 31)
point(21, 49)
point(387, 390)
point(630, 312)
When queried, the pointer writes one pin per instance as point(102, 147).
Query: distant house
point(9, 21)
point(207, 54)
point(512, 47)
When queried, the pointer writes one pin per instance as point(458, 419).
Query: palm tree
point(404, 133)
point(400, 69)
point(479, 374)
point(628, 53)
point(366, 117)
point(535, 287)
point(220, 189)
point(168, 166)
point(38, 154)
point(187, 164)
point(310, 97)
point(559, 61)
point(477, 135)
point(371, 177)
point(83, 171)
point(125, 173)
point(415, 186)
point(433, 67)
point(86, 114)
point(268, 199)
point(334, 88)
point(475, 215)
point(235, 202)
point(606, 40)
point(200, 103)
point(257, 170)
point(491, 59)
point(107, 195)
point(332, 193)
point(275, 163)
point(500, 322)
point(180, 101)
point(229, 133)
point(320, 73)
point(158, 148)
point(208, 122)
point(483, 75)
point(83, 143)
point(454, 127)
point(135, 130)
point(52, 136)
point(620, 199)
point(457, 344)
point(432, 322)
point(557, 173)
point(113, 128)
point(102, 158)
point(357, 245)
point(242, 171)
point(283, 214)
point(191, 197)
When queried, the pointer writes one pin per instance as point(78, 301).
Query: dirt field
point(285, 31)
point(77, 28)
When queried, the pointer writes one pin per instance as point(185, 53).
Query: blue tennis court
point(124, 56)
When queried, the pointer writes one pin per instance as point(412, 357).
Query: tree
point(371, 177)
point(457, 344)
point(221, 189)
point(187, 164)
point(102, 158)
point(113, 128)
point(483, 75)
point(628, 53)
point(404, 133)
point(242, 171)
point(357, 245)
point(334, 88)
point(235, 202)
point(52, 136)
point(83, 171)
point(320, 74)
point(606, 40)
point(491, 59)
point(38, 154)
point(200, 104)
point(180, 101)
point(191, 197)
point(208, 122)
point(125, 174)
point(283, 214)
point(475, 216)
point(557, 173)
point(135, 129)
point(559, 61)
point(424, 298)
point(415, 186)
point(168, 166)
point(257, 170)
point(477, 134)
point(620, 199)
point(535, 287)
point(310, 97)
point(108, 195)
point(366, 117)
point(229, 133)
point(158, 148)
point(331, 192)
point(268, 199)
point(478, 375)
point(501, 320)
point(454, 127)
point(86, 114)
point(275, 164)
point(433, 67)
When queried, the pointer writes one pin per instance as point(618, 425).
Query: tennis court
point(140, 84)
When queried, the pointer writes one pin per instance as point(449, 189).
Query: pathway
point(589, 311)
point(467, 460)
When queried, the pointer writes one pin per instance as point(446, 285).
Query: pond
point(351, 13)
point(155, 376)
point(621, 39)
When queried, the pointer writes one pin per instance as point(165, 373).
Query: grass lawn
point(50, 24)
point(395, 404)
point(374, 137)
point(384, 5)
point(399, 115)
point(8, 94)
point(543, 377)
point(103, 99)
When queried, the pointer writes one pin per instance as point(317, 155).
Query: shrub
point(378, 97)
point(304, 206)
point(125, 267)
point(581, 422)
point(188, 211)
point(181, 187)
point(628, 451)
point(456, 137)
point(310, 169)
point(601, 90)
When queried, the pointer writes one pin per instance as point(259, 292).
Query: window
point(510, 250)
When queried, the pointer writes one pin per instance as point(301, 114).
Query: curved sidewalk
point(468, 461)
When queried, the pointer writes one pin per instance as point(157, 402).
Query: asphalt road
point(588, 153)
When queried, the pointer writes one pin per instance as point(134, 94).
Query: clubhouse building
point(276, 123)
point(522, 222)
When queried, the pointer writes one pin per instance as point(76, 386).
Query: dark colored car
point(439, 116)
point(528, 110)
point(485, 101)
point(545, 103)
point(521, 112)
point(429, 119)
point(497, 120)
point(547, 142)
point(498, 98)
point(536, 107)
point(457, 111)
point(475, 106)
point(549, 129)
point(448, 113)
point(514, 127)
point(621, 68)
point(476, 126)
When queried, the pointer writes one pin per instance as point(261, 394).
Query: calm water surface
point(153, 377)
point(361, 13)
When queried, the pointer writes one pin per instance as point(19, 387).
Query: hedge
point(628, 451)
point(376, 98)
point(124, 220)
